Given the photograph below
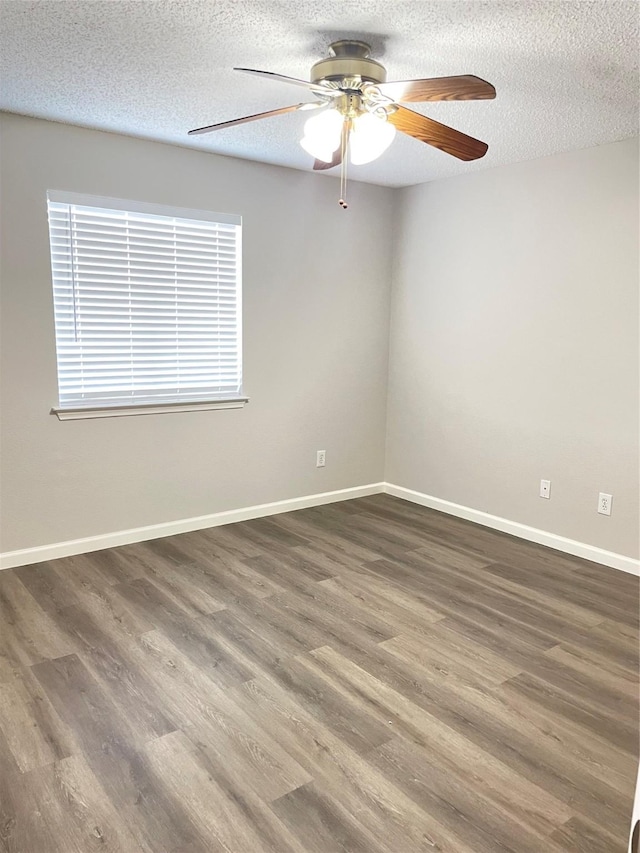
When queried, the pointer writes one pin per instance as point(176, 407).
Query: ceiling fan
point(359, 112)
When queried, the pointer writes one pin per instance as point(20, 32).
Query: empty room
point(319, 426)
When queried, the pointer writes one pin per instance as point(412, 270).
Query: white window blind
point(147, 302)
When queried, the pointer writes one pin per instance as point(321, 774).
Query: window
point(147, 306)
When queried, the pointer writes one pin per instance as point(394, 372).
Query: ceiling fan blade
point(280, 78)
point(439, 135)
point(244, 119)
point(465, 87)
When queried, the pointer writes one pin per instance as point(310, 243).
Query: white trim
point(26, 556)
point(146, 409)
point(107, 203)
point(522, 531)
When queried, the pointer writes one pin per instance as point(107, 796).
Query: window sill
point(147, 409)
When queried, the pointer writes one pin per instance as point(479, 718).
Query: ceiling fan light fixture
point(370, 137)
point(322, 134)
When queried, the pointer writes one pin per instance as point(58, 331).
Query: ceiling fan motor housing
point(348, 60)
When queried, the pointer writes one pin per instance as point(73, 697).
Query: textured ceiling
point(566, 72)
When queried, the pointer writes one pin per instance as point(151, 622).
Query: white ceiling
point(566, 72)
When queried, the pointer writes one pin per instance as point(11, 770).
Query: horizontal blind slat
point(147, 306)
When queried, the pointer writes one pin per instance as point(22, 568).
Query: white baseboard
point(39, 554)
point(27, 556)
point(522, 531)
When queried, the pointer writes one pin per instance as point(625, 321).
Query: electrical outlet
point(545, 489)
point(321, 458)
point(604, 503)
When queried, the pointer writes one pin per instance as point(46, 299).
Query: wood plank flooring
point(364, 677)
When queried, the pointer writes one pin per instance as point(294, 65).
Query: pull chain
point(344, 146)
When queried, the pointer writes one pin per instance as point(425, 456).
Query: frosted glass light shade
point(322, 135)
point(371, 136)
point(317, 149)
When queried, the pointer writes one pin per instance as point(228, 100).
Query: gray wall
point(316, 308)
point(514, 343)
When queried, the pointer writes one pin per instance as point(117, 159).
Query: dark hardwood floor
point(366, 677)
